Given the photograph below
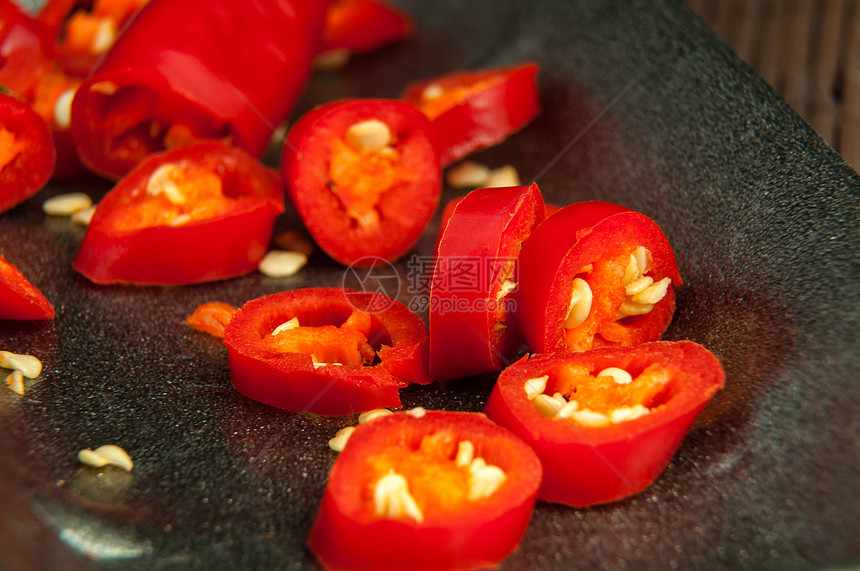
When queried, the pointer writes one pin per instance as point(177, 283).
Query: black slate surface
point(642, 106)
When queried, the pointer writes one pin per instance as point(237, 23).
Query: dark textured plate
point(642, 106)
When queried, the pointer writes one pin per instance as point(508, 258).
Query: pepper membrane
point(426, 490)
point(605, 422)
point(321, 350)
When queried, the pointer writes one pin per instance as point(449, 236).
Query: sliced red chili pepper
point(186, 70)
point(364, 176)
point(475, 272)
point(28, 69)
point(471, 110)
point(84, 30)
point(27, 155)
point(442, 490)
point(595, 274)
point(364, 25)
point(212, 318)
point(605, 422)
point(188, 215)
point(319, 350)
point(20, 299)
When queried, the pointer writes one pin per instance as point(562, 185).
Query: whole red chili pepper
point(27, 156)
point(200, 213)
point(186, 70)
point(605, 422)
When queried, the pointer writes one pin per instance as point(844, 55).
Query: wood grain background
point(807, 50)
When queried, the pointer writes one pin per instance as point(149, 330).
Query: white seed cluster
point(484, 479)
point(641, 291)
point(557, 406)
point(391, 498)
point(109, 454)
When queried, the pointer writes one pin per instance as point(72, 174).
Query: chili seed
point(281, 264)
point(535, 387)
point(623, 414)
point(467, 174)
point(580, 304)
point(620, 376)
point(67, 204)
point(373, 415)
point(161, 182)
point(63, 108)
point(85, 216)
point(338, 443)
point(104, 455)
point(465, 453)
point(15, 382)
point(368, 136)
point(502, 176)
point(30, 366)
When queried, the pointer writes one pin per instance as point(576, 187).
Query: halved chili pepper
point(19, 298)
point(186, 70)
point(595, 274)
point(201, 213)
point(364, 176)
point(426, 491)
point(84, 30)
point(359, 26)
point(28, 68)
point(27, 155)
point(471, 110)
point(605, 422)
point(320, 350)
point(474, 275)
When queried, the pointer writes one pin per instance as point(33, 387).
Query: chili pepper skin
point(196, 214)
point(27, 155)
point(19, 298)
point(603, 236)
point(585, 465)
point(29, 70)
point(185, 70)
point(471, 331)
point(471, 110)
point(341, 359)
point(362, 204)
point(471, 534)
point(360, 26)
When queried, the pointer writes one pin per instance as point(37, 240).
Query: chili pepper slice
point(27, 155)
point(84, 30)
point(364, 176)
point(471, 110)
point(19, 298)
point(595, 274)
point(442, 490)
point(605, 422)
point(201, 213)
point(474, 275)
point(29, 70)
point(320, 350)
point(185, 70)
point(360, 26)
